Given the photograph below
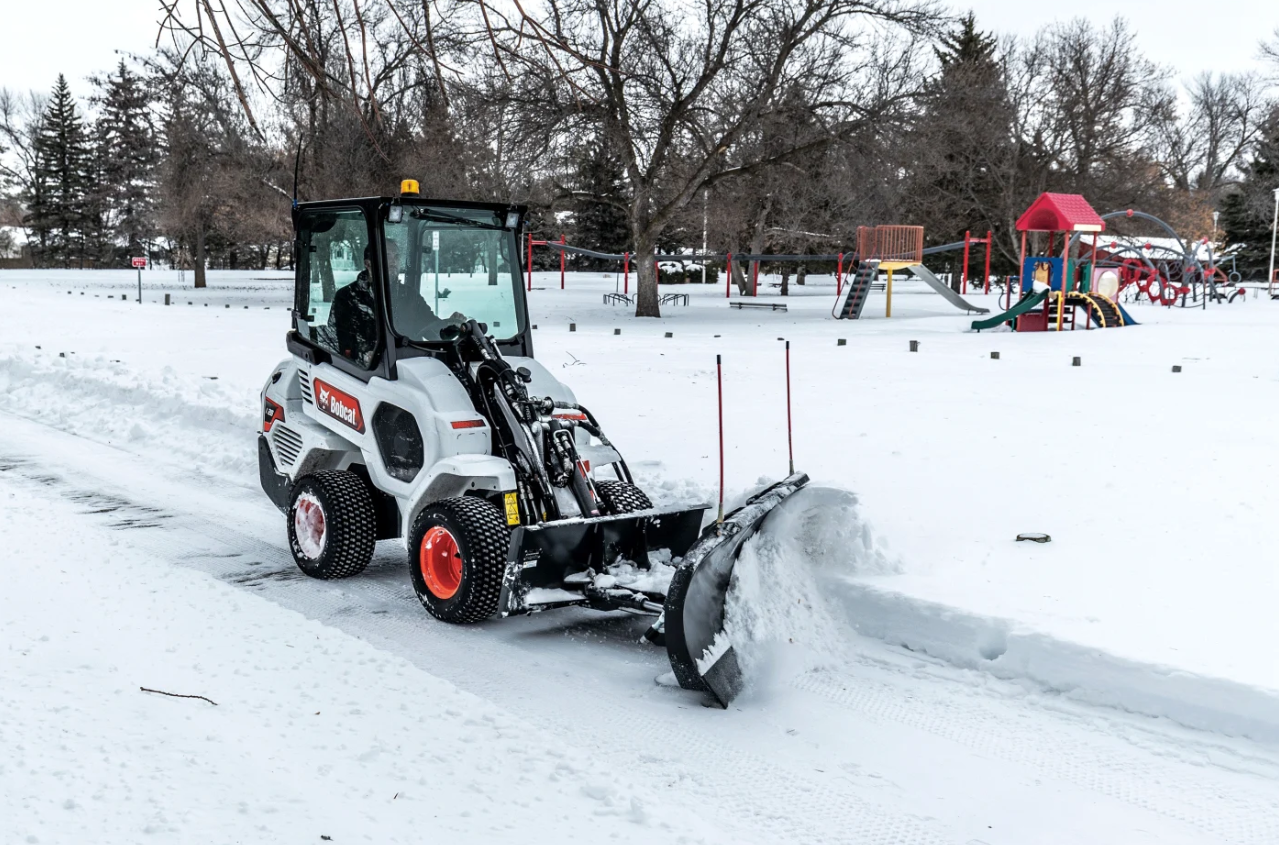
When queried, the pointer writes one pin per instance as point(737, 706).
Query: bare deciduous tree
point(685, 99)
point(1201, 151)
point(21, 119)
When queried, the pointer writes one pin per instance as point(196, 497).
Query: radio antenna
point(297, 161)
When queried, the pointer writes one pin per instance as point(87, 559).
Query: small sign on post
point(139, 262)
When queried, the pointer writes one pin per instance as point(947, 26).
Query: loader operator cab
point(385, 278)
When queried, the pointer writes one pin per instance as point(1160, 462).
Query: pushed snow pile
point(1057, 667)
point(782, 614)
point(804, 593)
point(189, 420)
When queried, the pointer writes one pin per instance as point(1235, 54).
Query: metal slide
point(936, 284)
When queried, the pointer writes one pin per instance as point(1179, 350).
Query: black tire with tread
point(622, 497)
point(483, 539)
point(350, 524)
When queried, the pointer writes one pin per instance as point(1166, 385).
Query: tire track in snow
point(1227, 807)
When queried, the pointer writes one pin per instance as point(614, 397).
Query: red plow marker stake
point(790, 440)
point(719, 378)
point(699, 647)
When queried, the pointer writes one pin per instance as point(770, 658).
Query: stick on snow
point(178, 695)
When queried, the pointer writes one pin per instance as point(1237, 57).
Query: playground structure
point(891, 249)
point(969, 241)
point(1166, 270)
point(1068, 282)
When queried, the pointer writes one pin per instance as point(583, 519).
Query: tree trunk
point(785, 282)
point(490, 260)
point(739, 277)
point(646, 295)
point(757, 240)
point(200, 281)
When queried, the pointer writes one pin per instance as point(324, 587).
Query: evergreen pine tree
point(962, 138)
point(1247, 214)
point(127, 157)
point(599, 188)
point(58, 204)
point(966, 46)
point(95, 234)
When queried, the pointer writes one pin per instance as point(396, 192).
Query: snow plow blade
point(701, 655)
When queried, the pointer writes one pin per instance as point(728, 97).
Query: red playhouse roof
point(1060, 213)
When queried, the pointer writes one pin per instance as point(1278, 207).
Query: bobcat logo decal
point(339, 404)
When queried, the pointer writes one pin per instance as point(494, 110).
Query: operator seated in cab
point(353, 316)
point(410, 313)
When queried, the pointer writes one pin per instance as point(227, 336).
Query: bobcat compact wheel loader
point(411, 407)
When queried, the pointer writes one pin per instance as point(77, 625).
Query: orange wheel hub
point(441, 563)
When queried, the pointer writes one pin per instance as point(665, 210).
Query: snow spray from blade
point(782, 612)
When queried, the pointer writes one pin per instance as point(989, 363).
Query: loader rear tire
point(457, 558)
point(622, 497)
point(332, 525)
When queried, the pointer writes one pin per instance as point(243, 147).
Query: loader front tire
point(332, 525)
point(457, 558)
point(622, 497)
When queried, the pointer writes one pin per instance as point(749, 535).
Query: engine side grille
point(304, 381)
point(288, 444)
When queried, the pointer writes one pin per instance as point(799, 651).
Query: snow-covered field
point(918, 676)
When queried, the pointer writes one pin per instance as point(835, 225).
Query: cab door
point(337, 314)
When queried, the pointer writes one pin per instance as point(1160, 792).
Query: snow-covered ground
point(918, 675)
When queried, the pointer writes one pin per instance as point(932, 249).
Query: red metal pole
point(839, 275)
point(719, 377)
point(963, 277)
point(790, 441)
point(986, 284)
point(1093, 269)
point(1065, 263)
point(530, 261)
point(1021, 273)
point(561, 261)
point(728, 278)
point(626, 273)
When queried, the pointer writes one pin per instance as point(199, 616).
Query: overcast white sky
point(40, 38)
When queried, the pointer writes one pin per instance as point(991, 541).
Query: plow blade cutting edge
point(700, 652)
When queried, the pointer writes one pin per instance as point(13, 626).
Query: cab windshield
point(449, 265)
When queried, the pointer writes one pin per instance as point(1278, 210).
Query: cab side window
point(338, 300)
